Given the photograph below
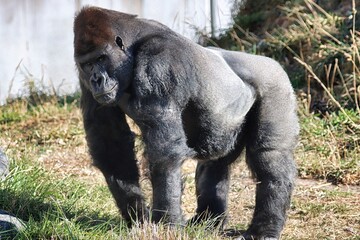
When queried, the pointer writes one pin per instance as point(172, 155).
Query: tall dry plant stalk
point(355, 55)
point(351, 54)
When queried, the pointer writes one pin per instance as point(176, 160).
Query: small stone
point(9, 225)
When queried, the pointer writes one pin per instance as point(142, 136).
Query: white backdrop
point(36, 35)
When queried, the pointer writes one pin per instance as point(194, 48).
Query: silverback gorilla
point(189, 102)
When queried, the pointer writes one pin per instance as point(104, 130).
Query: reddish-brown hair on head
point(93, 27)
point(91, 30)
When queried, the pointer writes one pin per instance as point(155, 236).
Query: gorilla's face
point(106, 71)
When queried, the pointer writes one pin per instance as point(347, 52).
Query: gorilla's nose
point(98, 80)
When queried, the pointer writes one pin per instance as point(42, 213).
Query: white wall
point(36, 35)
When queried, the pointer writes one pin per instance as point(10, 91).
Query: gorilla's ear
point(119, 42)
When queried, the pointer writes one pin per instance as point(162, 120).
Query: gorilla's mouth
point(107, 91)
point(108, 96)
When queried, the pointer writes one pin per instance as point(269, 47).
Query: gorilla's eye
point(87, 66)
point(119, 42)
point(101, 58)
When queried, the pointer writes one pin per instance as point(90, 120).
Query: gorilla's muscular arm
point(159, 115)
point(165, 150)
point(111, 145)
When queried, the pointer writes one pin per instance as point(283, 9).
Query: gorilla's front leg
point(114, 157)
point(166, 182)
point(166, 149)
point(128, 197)
point(111, 145)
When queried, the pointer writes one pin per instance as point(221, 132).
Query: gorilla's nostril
point(97, 79)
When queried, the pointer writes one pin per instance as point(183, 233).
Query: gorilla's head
point(104, 62)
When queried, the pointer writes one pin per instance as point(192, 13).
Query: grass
point(55, 190)
point(329, 147)
point(55, 207)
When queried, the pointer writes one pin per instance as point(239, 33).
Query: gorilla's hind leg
point(275, 171)
point(272, 131)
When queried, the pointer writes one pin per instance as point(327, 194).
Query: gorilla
point(189, 101)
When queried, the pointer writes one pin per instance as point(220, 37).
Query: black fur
point(189, 102)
